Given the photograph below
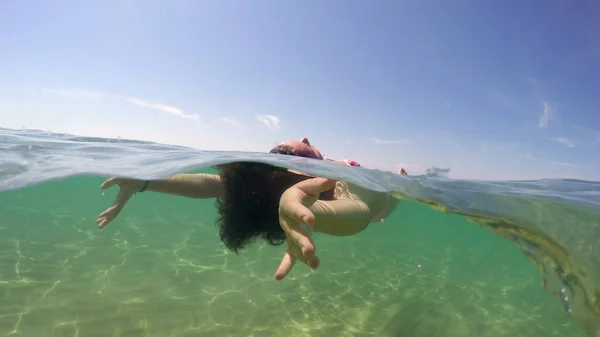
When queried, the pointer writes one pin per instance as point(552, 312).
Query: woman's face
point(304, 149)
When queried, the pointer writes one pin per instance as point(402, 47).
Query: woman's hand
point(127, 188)
point(296, 219)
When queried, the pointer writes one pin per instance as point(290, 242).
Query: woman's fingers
point(107, 216)
point(102, 222)
point(313, 263)
point(299, 213)
point(110, 213)
point(126, 191)
point(299, 247)
point(286, 265)
point(303, 194)
point(315, 186)
point(106, 212)
point(301, 236)
point(289, 260)
point(110, 182)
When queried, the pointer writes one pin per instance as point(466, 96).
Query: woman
point(256, 200)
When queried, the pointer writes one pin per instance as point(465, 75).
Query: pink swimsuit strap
point(352, 163)
point(344, 161)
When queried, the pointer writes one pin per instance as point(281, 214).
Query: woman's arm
point(198, 186)
point(340, 217)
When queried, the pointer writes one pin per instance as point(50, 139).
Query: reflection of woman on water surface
point(256, 200)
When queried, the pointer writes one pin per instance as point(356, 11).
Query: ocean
point(456, 258)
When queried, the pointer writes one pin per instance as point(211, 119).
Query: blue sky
point(489, 89)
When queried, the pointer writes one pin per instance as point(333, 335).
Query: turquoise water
point(516, 258)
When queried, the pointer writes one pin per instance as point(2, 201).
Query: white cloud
point(565, 164)
point(160, 107)
point(529, 155)
point(233, 122)
point(84, 93)
point(546, 116)
point(564, 141)
point(270, 121)
point(484, 147)
point(532, 81)
point(387, 142)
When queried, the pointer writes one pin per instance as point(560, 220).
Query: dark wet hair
point(249, 207)
point(284, 149)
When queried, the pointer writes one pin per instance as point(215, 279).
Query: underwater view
point(456, 258)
